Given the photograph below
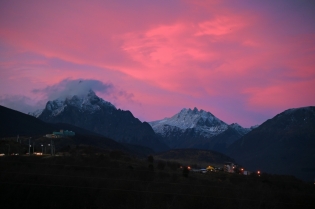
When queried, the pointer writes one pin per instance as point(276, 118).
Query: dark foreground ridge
point(115, 180)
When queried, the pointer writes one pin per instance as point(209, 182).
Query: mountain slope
point(93, 113)
point(13, 123)
point(197, 129)
point(220, 142)
point(284, 144)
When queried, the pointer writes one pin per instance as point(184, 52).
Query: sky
point(244, 61)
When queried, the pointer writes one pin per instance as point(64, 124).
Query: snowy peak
point(253, 127)
point(188, 118)
point(203, 122)
point(242, 131)
point(88, 102)
point(36, 113)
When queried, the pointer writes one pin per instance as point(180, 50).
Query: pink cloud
point(282, 96)
point(220, 26)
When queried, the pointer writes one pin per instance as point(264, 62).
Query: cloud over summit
point(68, 88)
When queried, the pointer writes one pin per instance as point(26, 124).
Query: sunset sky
point(244, 61)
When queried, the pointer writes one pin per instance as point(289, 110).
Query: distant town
point(48, 148)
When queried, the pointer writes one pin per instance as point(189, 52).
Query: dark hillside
point(284, 144)
point(194, 156)
point(13, 122)
point(220, 142)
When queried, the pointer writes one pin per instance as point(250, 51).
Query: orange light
point(258, 172)
point(188, 167)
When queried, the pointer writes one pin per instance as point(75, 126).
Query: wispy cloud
point(21, 103)
point(68, 87)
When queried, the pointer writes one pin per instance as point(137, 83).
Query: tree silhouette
point(185, 171)
point(150, 159)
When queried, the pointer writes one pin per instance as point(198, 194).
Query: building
point(229, 167)
point(60, 134)
point(64, 133)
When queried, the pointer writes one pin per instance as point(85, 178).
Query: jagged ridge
point(204, 122)
point(197, 129)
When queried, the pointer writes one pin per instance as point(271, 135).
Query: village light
point(258, 173)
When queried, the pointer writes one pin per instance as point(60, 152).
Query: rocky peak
point(86, 102)
point(202, 121)
point(242, 131)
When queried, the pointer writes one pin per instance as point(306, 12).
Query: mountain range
point(284, 144)
point(187, 129)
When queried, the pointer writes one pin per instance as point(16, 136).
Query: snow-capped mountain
point(84, 103)
point(197, 129)
point(203, 122)
point(240, 129)
point(36, 113)
point(91, 112)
